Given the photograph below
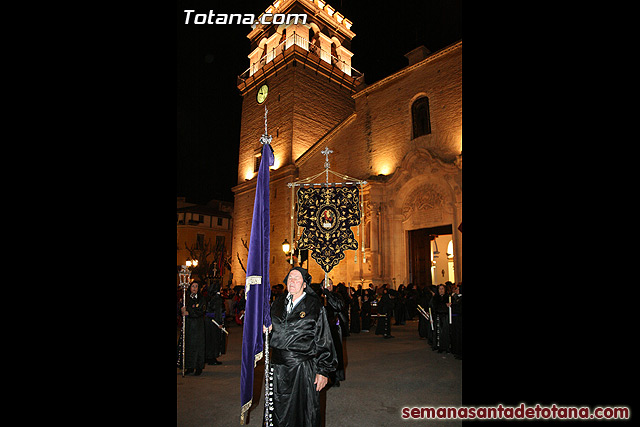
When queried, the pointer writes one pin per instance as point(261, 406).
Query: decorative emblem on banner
point(327, 215)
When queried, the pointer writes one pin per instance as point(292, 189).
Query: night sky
point(210, 57)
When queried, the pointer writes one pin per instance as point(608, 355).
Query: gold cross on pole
point(326, 153)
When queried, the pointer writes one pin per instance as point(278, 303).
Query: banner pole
point(268, 391)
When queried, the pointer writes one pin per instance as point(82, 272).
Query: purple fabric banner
point(257, 288)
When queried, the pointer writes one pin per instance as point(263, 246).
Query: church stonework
point(316, 100)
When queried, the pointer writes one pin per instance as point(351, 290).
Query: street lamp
point(288, 251)
point(185, 276)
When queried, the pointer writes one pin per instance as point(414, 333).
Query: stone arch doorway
point(422, 244)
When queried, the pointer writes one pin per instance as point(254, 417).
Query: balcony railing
point(304, 43)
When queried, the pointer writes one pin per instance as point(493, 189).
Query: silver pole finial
point(266, 138)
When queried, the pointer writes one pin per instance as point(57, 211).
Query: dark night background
point(210, 57)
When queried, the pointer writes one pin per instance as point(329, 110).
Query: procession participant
point(385, 307)
point(456, 324)
point(381, 325)
point(214, 338)
point(354, 311)
point(412, 303)
point(341, 290)
point(194, 330)
point(440, 310)
point(240, 302)
point(366, 312)
point(334, 305)
point(302, 353)
point(400, 306)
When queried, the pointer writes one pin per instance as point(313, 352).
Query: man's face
point(441, 290)
point(295, 285)
point(194, 288)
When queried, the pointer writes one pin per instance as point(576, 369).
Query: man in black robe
point(440, 311)
point(366, 312)
point(400, 306)
point(456, 324)
point(302, 353)
point(194, 330)
point(386, 308)
point(354, 312)
point(334, 307)
point(214, 337)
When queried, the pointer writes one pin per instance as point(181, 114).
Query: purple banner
point(257, 288)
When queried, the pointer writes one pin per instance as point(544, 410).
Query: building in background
point(205, 229)
point(402, 134)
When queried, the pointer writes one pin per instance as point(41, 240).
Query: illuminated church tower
point(302, 73)
point(401, 134)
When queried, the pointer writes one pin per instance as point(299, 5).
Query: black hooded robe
point(385, 307)
point(366, 315)
point(354, 317)
point(301, 347)
point(214, 337)
point(333, 309)
point(194, 333)
point(456, 326)
point(440, 322)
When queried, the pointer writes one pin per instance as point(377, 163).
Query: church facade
point(402, 134)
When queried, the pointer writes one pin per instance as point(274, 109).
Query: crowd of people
point(310, 322)
point(204, 316)
point(348, 309)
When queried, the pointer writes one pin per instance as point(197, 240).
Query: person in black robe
point(440, 311)
point(423, 299)
point(412, 302)
point(380, 325)
point(194, 330)
point(354, 312)
point(365, 313)
point(214, 338)
point(341, 290)
point(302, 353)
point(400, 306)
point(334, 305)
point(386, 308)
point(456, 325)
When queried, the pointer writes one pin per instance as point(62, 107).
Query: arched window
point(420, 117)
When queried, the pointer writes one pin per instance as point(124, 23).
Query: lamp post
point(286, 248)
point(185, 276)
